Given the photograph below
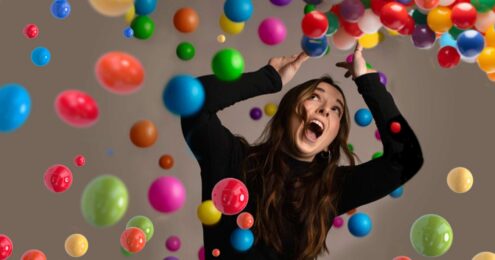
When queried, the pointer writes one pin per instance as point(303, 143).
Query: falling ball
point(484, 256)
point(33, 254)
point(255, 113)
point(31, 31)
point(166, 161)
point(143, 133)
point(270, 109)
point(58, 178)
point(40, 56)
point(397, 193)
point(245, 220)
point(431, 235)
point(360, 225)
point(185, 51)
point(6, 247)
point(395, 127)
point(208, 214)
point(228, 64)
point(133, 239)
point(242, 239)
point(76, 245)
point(60, 9)
point(215, 252)
point(186, 20)
point(272, 31)
point(173, 243)
point(460, 180)
point(79, 160)
point(143, 27)
point(338, 222)
point(167, 194)
point(221, 38)
point(77, 108)
point(363, 117)
point(143, 223)
point(184, 95)
point(230, 196)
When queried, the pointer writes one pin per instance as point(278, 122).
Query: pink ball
point(338, 222)
point(76, 108)
point(201, 253)
point(377, 135)
point(272, 31)
point(173, 243)
point(167, 194)
point(230, 196)
point(350, 58)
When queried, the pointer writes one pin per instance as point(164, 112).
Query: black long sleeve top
point(220, 153)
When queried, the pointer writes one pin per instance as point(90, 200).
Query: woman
point(295, 184)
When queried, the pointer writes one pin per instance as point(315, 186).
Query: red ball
point(76, 108)
point(408, 27)
point(215, 252)
point(351, 28)
point(395, 127)
point(448, 57)
point(6, 247)
point(394, 16)
point(119, 72)
point(33, 254)
point(463, 15)
point(31, 31)
point(376, 5)
point(133, 239)
point(230, 196)
point(245, 220)
point(80, 160)
point(58, 178)
point(314, 24)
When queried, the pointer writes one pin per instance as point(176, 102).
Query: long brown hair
point(265, 173)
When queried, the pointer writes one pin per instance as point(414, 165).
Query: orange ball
point(352, 211)
point(402, 258)
point(245, 220)
point(215, 252)
point(186, 20)
point(491, 76)
point(143, 133)
point(33, 254)
point(166, 161)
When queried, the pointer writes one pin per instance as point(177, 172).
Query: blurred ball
point(448, 57)
point(309, 8)
point(280, 2)
point(173, 243)
point(128, 32)
point(338, 222)
point(351, 10)
point(377, 135)
point(31, 31)
point(238, 10)
point(270, 109)
point(490, 37)
point(484, 5)
point(352, 211)
point(33, 254)
point(230, 196)
point(272, 31)
point(460, 180)
point(133, 239)
point(58, 178)
point(201, 253)
point(76, 245)
point(167, 194)
point(228, 64)
point(447, 40)
point(245, 220)
point(486, 59)
point(484, 21)
point(363, 117)
point(229, 26)
point(143, 223)
point(6, 247)
point(183, 95)
point(423, 37)
point(104, 201)
point(470, 43)
point(314, 24)
point(166, 161)
point(395, 127)
point(342, 40)
point(314, 47)
point(359, 225)
point(119, 72)
point(76, 108)
point(369, 41)
point(484, 256)
point(144, 7)
point(376, 155)
point(186, 20)
point(15, 107)
point(383, 78)
point(130, 15)
point(255, 113)
point(463, 15)
point(171, 258)
point(208, 214)
point(427, 5)
point(439, 19)
point(431, 235)
point(221, 38)
point(242, 239)
point(397, 193)
point(333, 23)
point(350, 147)
point(185, 51)
point(143, 133)
point(40, 56)
point(60, 9)
point(143, 27)
point(401, 258)
point(112, 7)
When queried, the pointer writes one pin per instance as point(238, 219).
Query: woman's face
point(324, 109)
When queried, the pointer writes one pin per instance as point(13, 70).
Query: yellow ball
point(76, 245)
point(221, 38)
point(490, 36)
point(112, 7)
point(230, 27)
point(270, 109)
point(369, 41)
point(392, 32)
point(439, 19)
point(460, 180)
point(208, 214)
point(130, 15)
point(486, 60)
point(484, 256)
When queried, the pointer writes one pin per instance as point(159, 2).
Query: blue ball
point(184, 95)
point(128, 32)
point(397, 193)
point(363, 117)
point(470, 43)
point(447, 40)
point(242, 239)
point(238, 10)
point(15, 107)
point(404, 2)
point(359, 225)
point(314, 47)
point(40, 56)
point(144, 7)
point(60, 9)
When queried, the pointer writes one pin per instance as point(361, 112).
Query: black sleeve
point(401, 160)
point(214, 146)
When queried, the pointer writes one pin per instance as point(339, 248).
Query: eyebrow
point(338, 100)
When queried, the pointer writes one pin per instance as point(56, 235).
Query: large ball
point(119, 72)
point(208, 214)
point(363, 117)
point(6, 247)
point(15, 107)
point(143, 27)
point(272, 31)
point(360, 224)
point(238, 10)
point(230, 196)
point(314, 47)
point(186, 20)
point(228, 64)
point(314, 24)
point(183, 95)
point(486, 59)
point(470, 43)
point(77, 108)
point(229, 26)
point(167, 194)
point(242, 239)
point(431, 235)
point(112, 7)
point(144, 7)
point(133, 239)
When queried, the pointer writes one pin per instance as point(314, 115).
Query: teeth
point(320, 124)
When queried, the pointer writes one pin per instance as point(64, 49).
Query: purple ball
point(280, 2)
point(173, 243)
point(338, 222)
point(255, 113)
point(272, 31)
point(167, 194)
point(383, 78)
point(351, 10)
point(423, 37)
point(171, 258)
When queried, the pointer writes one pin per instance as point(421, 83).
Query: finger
point(359, 47)
point(343, 65)
point(301, 58)
point(347, 74)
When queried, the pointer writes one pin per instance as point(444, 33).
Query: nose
point(324, 111)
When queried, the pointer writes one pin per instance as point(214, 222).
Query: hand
point(358, 65)
point(287, 66)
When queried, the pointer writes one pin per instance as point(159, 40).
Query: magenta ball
point(201, 253)
point(383, 78)
point(280, 2)
point(173, 243)
point(338, 222)
point(171, 258)
point(167, 194)
point(377, 135)
point(272, 31)
point(230, 196)
point(349, 58)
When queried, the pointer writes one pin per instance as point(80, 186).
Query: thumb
point(301, 58)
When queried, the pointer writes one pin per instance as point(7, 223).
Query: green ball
point(377, 155)
point(125, 252)
point(454, 31)
point(143, 223)
point(350, 147)
point(483, 6)
point(368, 66)
point(333, 23)
point(143, 27)
point(419, 17)
point(104, 201)
point(185, 51)
point(309, 8)
point(228, 64)
point(366, 3)
point(431, 235)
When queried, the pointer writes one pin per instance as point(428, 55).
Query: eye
point(336, 108)
point(314, 97)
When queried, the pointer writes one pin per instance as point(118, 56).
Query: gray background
point(450, 110)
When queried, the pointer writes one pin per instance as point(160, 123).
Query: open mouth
point(314, 129)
